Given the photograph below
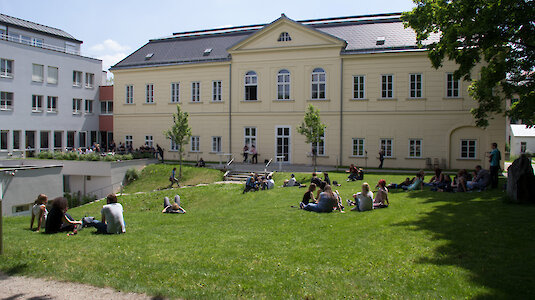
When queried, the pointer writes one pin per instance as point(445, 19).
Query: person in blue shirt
point(173, 179)
point(495, 157)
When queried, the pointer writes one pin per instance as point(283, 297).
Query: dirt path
point(21, 287)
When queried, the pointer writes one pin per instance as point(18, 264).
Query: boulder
point(521, 181)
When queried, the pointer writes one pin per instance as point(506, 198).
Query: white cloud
point(108, 46)
point(109, 60)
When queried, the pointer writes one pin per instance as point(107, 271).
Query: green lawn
point(229, 245)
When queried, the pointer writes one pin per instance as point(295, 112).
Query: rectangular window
point(128, 140)
point(6, 101)
point(283, 85)
point(195, 91)
point(88, 106)
point(37, 103)
point(89, 80)
point(76, 78)
point(415, 148)
point(175, 92)
point(129, 94)
point(251, 86)
point(37, 72)
point(70, 139)
point(195, 143)
point(149, 93)
point(174, 146)
point(3, 139)
point(452, 86)
point(468, 149)
point(45, 135)
point(106, 107)
point(52, 104)
point(82, 139)
point(216, 144)
point(216, 91)
point(30, 139)
point(6, 68)
point(387, 86)
point(359, 87)
point(358, 147)
point(523, 147)
point(250, 136)
point(58, 140)
point(16, 139)
point(386, 146)
point(148, 141)
point(52, 75)
point(76, 106)
point(415, 85)
point(92, 138)
point(319, 147)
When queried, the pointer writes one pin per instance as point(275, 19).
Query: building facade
point(49, 92)
point(250, 85)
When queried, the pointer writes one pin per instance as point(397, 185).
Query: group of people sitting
point(355, 173)
point(255, 182)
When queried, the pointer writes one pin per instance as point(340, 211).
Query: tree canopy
point(312, 128)
point(179, 133)
point(499, 34)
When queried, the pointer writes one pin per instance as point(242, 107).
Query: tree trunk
point(180, 167)
point(314, 156)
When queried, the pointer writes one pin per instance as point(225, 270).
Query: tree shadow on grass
point(491, 239)
point(14, 270)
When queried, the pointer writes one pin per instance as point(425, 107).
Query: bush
point(131, 175)
point(59, 155)
point(71, 156)
point(45, 155)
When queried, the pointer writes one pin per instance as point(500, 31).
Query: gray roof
point(360, 33)
point(31, 26)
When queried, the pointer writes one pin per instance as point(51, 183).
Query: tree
point(500, 34)
point(179, 133)
point(312, 129)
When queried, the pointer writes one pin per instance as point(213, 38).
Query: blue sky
point(113, 29)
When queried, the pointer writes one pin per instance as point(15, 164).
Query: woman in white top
point(363, 200)
point(39, 211)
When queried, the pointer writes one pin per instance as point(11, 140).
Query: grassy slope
point(229, 245)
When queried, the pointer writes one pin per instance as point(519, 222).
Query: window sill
point(89, 87)
point(359, 99)
point(52, 111)
point(89, 113)
point(149, 103)
point(77, 113)
point(195, 152)
point(37, 111)
point(195, 102)
point(250, 101)
point(319, 100)
point(283, 100)
point(77, 85)
point(129, 103)
point(416, 158)
point(37, 81)
point(318, 156)
point(217, 101)
point(453, 98)
point(216, 152)
point(176, 102)
point(387, 99)
point(358, 156)
point(416, 99)
point(469, 159)
point(6, 109)
point(51, 83)
point(6, 76)
point(106, 114)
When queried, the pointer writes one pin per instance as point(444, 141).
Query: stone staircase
point(240, 175)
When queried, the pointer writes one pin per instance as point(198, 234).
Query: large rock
point(521, 181)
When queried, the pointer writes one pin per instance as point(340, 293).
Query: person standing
point(381, 158)
point(160, 151)
point(245, 153)
point(254, 158)
point(495, 157)
point(173, 179)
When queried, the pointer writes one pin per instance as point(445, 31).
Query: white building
point(522, 139)
point(49, 92)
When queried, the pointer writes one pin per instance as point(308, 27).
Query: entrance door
point(282, 145)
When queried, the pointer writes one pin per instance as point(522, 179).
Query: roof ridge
point(34, 23)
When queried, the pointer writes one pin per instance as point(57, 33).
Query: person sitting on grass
point(58, 220)
point(481, 179)
point(291, 182)
point(326, 178)
point(363, 200)
point(173, 179)
point(251, 183)
point(39, 211)
point(270, 183)
point(418, 182)
point(326, 202)
point(381, 198)
point(308, 197)
point(112, 218)
point(459, 181)
point(200, 163)
point(437, 179)
point(353, 172)
point(174, 208)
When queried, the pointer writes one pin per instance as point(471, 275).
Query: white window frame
point(387, 86)
point(6, 100)
point(250, 80)
point(149, 140)
point(149, 93)
point(173, 146)
point(76, 106)
point(319, 82)
point(217, 91)
point(108, 107)
point(129, 94)
point(38, 73)
point(88, 106)
point(249, 138)
point(358, 145)
point(77, 78)
point(465, 143)
point(6, 67)
point(52, 71)
point(453, 86)
point(37, 103)
point(416, 85)
point(128, 140)
point(284, 37)
point(319, 146)
point(415, 148)
point(52, 104)
point(283, 85)
point(216, 144)
point(289, 136)
point(175, 92)
point(195, 91)
point(359, 87)
point(89, 80)
point(387, 145)
point(195, 143)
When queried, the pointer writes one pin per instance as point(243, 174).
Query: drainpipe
point(341, 107)
point(230, 108)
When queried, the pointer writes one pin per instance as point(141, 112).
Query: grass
point(156, 177)
point(229, 245)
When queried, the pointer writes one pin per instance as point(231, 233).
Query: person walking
point(494, 159)
point(381, 158)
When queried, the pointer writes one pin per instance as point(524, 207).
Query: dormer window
point(284, 37)
point(207, 52)
point(149, 56)
point(380, 41)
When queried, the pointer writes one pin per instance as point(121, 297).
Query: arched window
point(251, 86)
point(318, 84)
point(284, 37)
point(283, 85)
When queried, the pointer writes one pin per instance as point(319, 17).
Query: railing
point(267, 165)
point(33, 43)
point(230, 162)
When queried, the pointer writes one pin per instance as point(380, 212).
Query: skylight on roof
point(207, 52)
point(380, 41)
point(149, 56)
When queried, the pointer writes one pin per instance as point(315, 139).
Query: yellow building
point(251, 85)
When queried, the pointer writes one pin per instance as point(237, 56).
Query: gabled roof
point(360, 34)
point(31, 26)
point(522, 130)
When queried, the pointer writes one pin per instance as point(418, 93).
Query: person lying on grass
point(174, 208)
point(112, 217)
point(381, 197)
point(363, 200)
point(417, 184)
point(39, 211)
point(58, 220)
point(326, 202)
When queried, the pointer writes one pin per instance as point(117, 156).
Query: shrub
point(131, 175)
point(45, 155)
point(59, 155)
point(71, 156)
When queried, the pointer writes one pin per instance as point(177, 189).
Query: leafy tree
point(179, 133)
point(500, 34)
point(312, 129)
